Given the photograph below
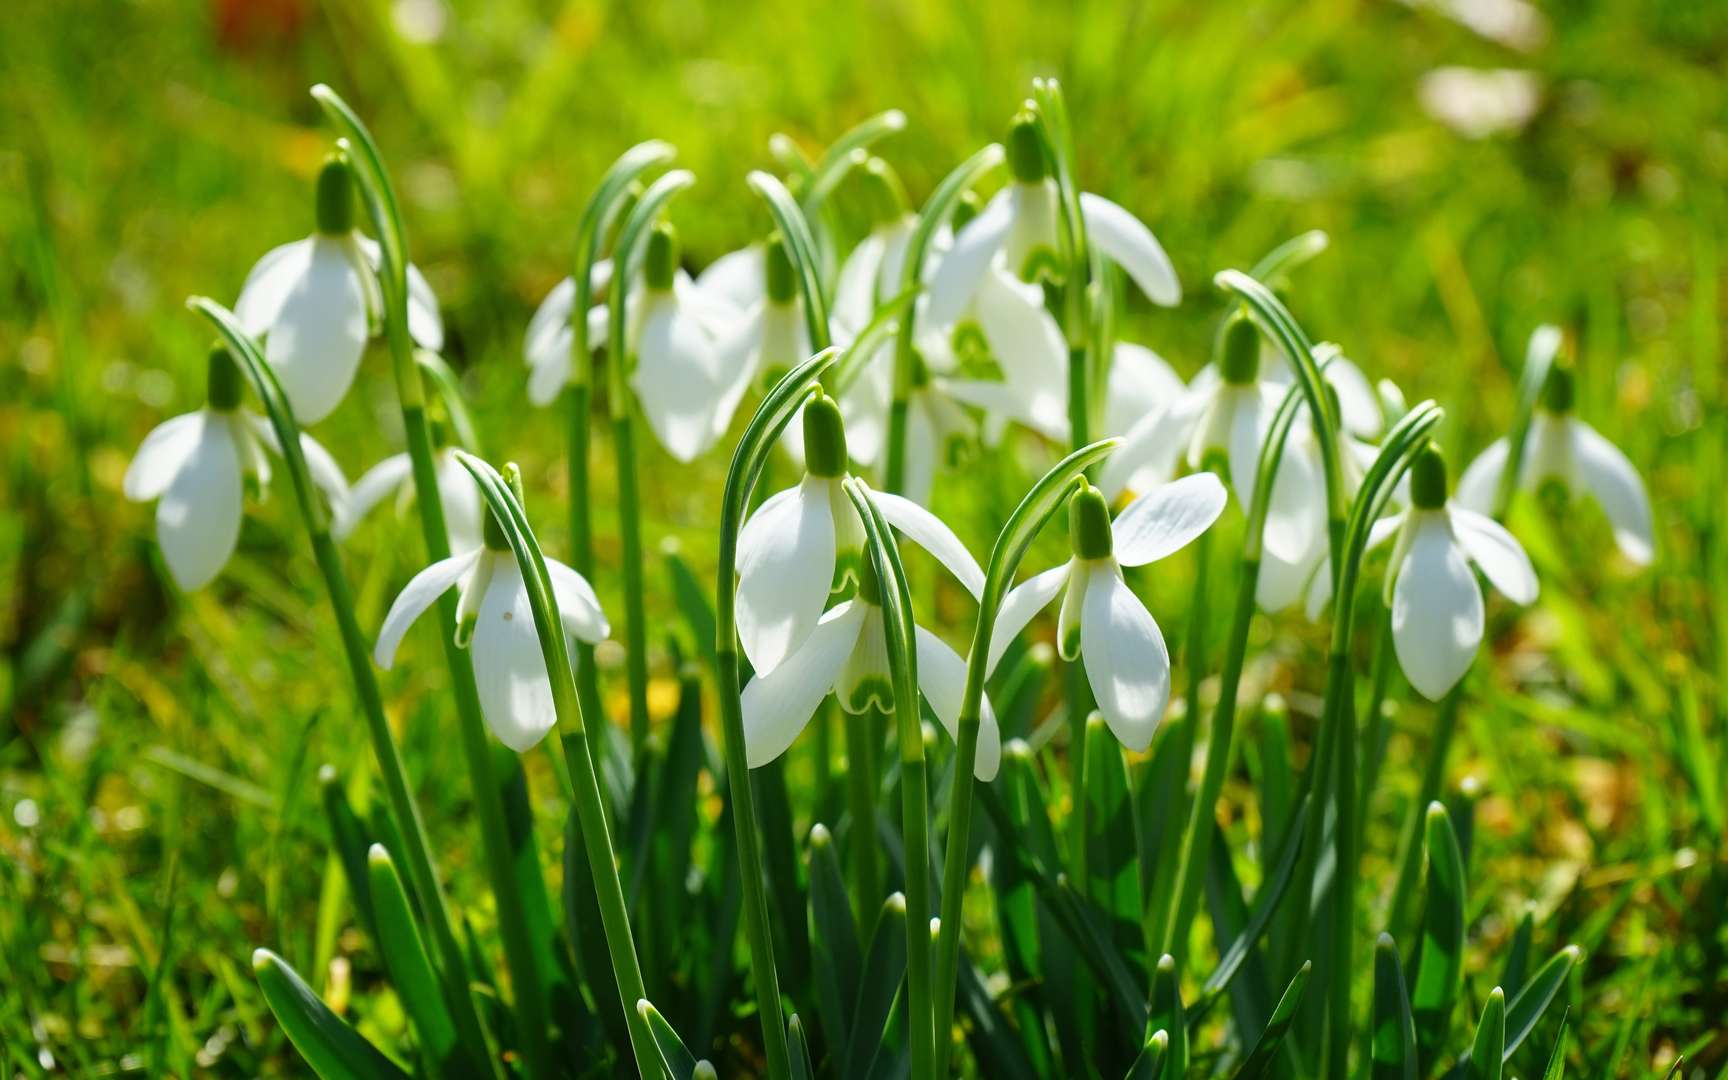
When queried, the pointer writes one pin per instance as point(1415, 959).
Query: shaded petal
point(421, 592)
point(1139, 384)
point(380, 480)
point(1436, 610)
point(161, 454)
point(1042, 410)
point(1023, 335)
point(1131, 245)
point(509, 666)
point(1280, 581)
point(675, 379)
point(778, 705)
point(1022, 602)
point(931, 534)
point(318, 336)
point(268, 285)
point(1496, 553)
point(1296, 514)
point(1481, 481)
point(737, 276)
point(1358, 404)
point(1163, 521)
point(1126, 662)
point(957, 275)
point(578, 606)
point(1611, 480)
point(942, 680)
point(198, 517)
point(425, 325)
point(463, 519)
point(552, 315)
point(786, 557)
point(1153, 446)
point(1251, 412)
point(855, 292)
point(736, 360)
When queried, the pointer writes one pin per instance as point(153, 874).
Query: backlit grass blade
point(1487, 1053)
point(836, 955)
point(1167, 1016)
point(802, 1069)
point(410, 969)
point(878, 985)
point(1556, 1069)
point(334, 1050)
point(1439, 976)
point(1537, 995)
point(675, 1057)
point(1394, 1036)
point(1265, 1053)
point(1150, 1064)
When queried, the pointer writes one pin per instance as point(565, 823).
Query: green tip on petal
point(661, 262)
point(966, 207)
point(883, 193)
point(1240, 363)
point(336, 196)
point(1561, 390)
point(1428, 479)
point(824, 437)
point(1089, 524)
point(1026, 149)
point(782, 286)
point(224, 383)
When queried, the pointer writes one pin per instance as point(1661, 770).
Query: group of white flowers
point(809, 617)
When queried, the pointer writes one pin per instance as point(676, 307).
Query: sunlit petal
point(1126, 662)
point(421, 592)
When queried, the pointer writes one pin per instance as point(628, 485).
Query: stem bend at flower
point(801, 248)
point(1539, 357)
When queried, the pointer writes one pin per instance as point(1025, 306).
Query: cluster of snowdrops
point(932, 336)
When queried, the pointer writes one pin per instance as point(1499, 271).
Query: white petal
point(463, 512)
point(1022, 602)
point(509, 666)
point(578, 606)
point(865, 406)
point(1163, 521)
point(425, 325)
point(923, 448)
point(1610, 478)
point(777, 705)
point(1068, 615)
point(942, 680)
point(161, 454)
point(1043, 412)
point(1140, 383)
point(957, 276)
point(268, 285)
point(931, 534)
point(785, 567)
point(1480, 482)
point(1436, 610)
point(320, 332)
point(1499, 556)
point(1280, 582)
point(198, 517)
point(1152, 447)
point(738, 276)
point(552, 315)
point(546, 380)
point(1131, 245)
point(675, 379)
point(1296, 514)
point(1319, 589)
point(1126, 662)
point(1023, 335)
point(737, 359)
point(379, 481)
point(421, 592)
point(855, 293)
point(1358, 404)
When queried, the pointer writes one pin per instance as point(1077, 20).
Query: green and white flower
point(394, 477)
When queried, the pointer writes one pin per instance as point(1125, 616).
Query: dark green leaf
point(835, 953)
point(1394, 1046)
point(878, 985)
point(1537, 995)
point(1556, 1069)
point(1265, 1052)
point(410, 969)
point(1439, 976)
point(679, 1062)
point(1487, 1053)
point(1167, 1016)
point(802, 1069)
point(330, 1047)
point(1150, 1064)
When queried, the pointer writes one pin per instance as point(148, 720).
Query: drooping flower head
point(393, 478)
point(873, 271)
point(768, 339)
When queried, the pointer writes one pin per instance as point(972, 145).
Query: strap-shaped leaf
point(411, 971)
point(801, 249)
point(1166, 1015)
point(602, 210)
point(1439, 977)
point(348, 838)
point(1265, 905)
point(330, 1047)
point(878, 985)
point(1394, 1042)
point(1112, 879)
point(675, 1057)
point(1276, 264)
point(802, 1069)
point(836, 956)
point(1537, 995)
point(842, 154)
point(1487, 1053)
point(1517, 966)
point(1260, 1059)
point(1149, 1065)
point(1556, 1069)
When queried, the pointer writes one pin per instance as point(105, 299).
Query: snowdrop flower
point(1437, 615)
point(676, 374)
point(847, 653)
point(1295, 562)
point(202, 465)
point(937, 423)
point(394, 477)
point(1102, 622)
point(1360, 409)
point(1478, 103)
point(873, 271)
point(806, 542)
point(549, 340)
point(495, 623)
point(315, 301)
point(1564, 450)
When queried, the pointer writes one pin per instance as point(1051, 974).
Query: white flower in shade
point(873, 272)
point(806, 542)
point(1102, 622)
point(1360, 409)
point(847, 653)
point(937, 423)
point(201, 466)
point(549, 339)
point(1481, 102)
point(738, 277)
point(1296, 560)
point(1017, 232)
point(394, 478)
point(1437, 612)
point(315, 302)
point(1562, 449)
point(495, 623)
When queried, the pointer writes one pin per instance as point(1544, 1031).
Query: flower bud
point(824, 437)
point(223, 381)
point(1428, 479)
point(1089, 524)
point(782, 285)
point(660, 263)
point(336, 196)
point(1560, 390)
point(1025, 150)
point(1240, 363)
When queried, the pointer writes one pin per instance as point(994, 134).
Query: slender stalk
point(862, 735)
point(1337, 1053)
point(1410, 836)
point(635, 608)
point(578, 397)
point(1374, 724)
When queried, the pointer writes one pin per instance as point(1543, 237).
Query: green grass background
point(150, 150)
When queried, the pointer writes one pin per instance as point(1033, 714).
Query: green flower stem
point(1374, 723)
point(863, 735)
point(380, 199)
point(1409, 857)
point(1044, 500)
point(421, 870)
point(578, 398)
point(575, 767)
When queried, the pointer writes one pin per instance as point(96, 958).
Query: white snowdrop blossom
point(806, 542)
point(549, 340)
point(1562, 449)
point(495, 623)
point(872, 273)
point(1481, 102)
point(1437, 610)
point(847, 653)
point(394, 477)
point(937, 422)
point(1101, 622)
point(201, 466)
point(315, 302)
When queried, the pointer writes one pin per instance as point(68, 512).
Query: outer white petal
point(1296, 515)
point(1163, 521)
point(777, 705)
point(421, 592)
point(934, 536)
point(1251, 410)
point(785, 567)
point(1022, 602)
point(675, 379)
point(855, 292)
point(738, 276)
point(923, 449)
point(316, 341)
point(957, 276)
point(1140, 383)
point(268, 285)
point(578, 606)
point(1280, 582)
point(1152, 447)
point(1037, 408)
point(738, 358)
point(1611, 480)
point(1126, 662)
point(546, 379)
point(942, 680)
point(377, 482)
point(1481, 480)
point(161, 454)
point(1319, 589)
point(552, 315)
point(1131, 245)
point(509, 668)
point(326, 474)
point(1436, 610)
point(198, 517)
point(1358, 404)
point(865, 406)
point(1023, 335)
point(425, 325)
point(463, 511)
point(1499, 556)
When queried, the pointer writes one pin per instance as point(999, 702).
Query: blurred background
point(1482, 166)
